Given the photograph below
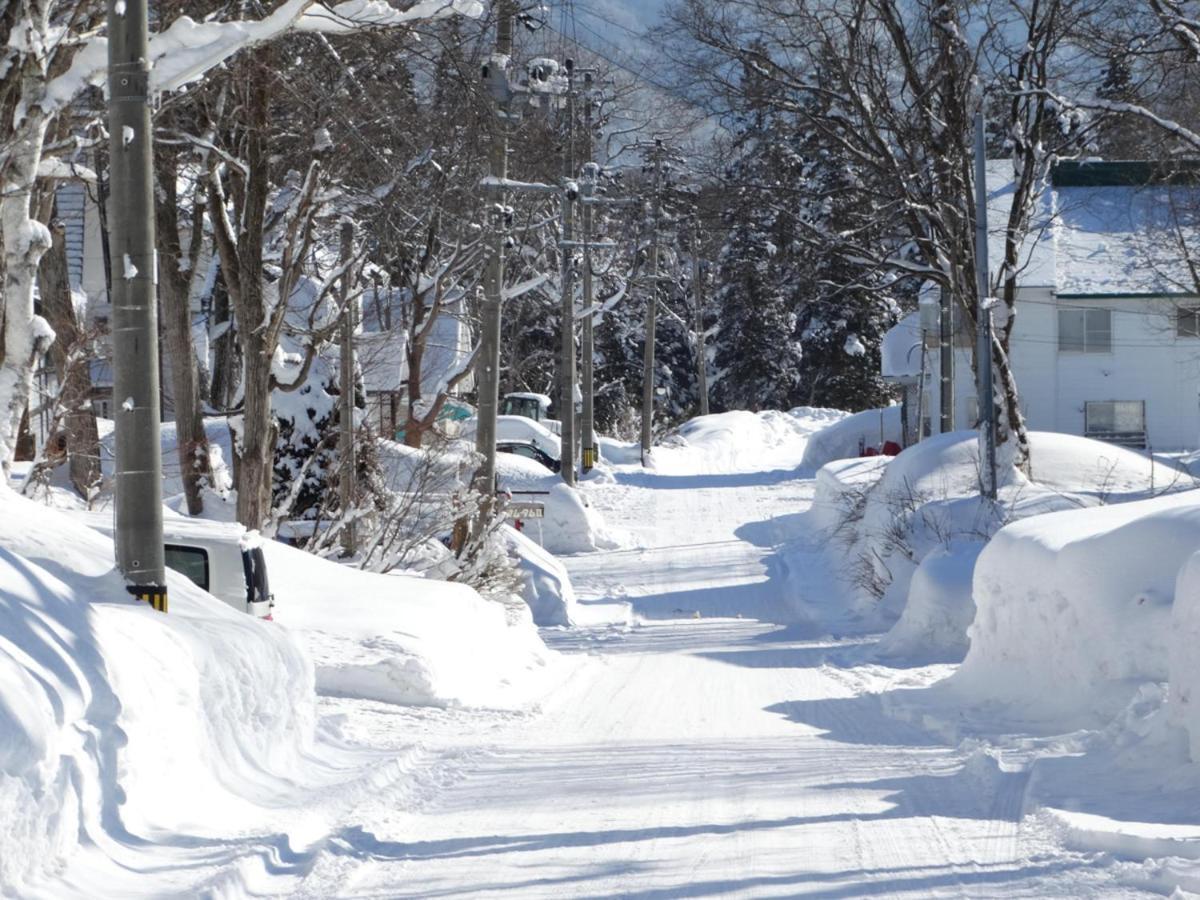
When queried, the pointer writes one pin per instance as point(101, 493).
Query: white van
point(220, 557)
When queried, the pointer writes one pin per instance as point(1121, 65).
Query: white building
point(1107, 336)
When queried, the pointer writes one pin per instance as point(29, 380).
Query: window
point(1084, 331)
point(1116, 421)
point(191, 562)
point(1187, 322)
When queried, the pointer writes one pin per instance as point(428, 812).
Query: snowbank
point(117, 718)
point(405, 640)
point(1082, 601)
point(573, 525)
point(933, 626)
point(740, 441)
point(844, 439)
point(1183, 699)
point(547, 586)
point(888, 516)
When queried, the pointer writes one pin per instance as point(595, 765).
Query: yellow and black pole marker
point(154, 594)
point(138, 476)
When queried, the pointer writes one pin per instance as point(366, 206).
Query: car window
point(191, 562)
point(527, 452)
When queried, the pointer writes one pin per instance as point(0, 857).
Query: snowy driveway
point(712, 755)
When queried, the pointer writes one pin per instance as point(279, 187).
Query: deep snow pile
point(117, 718)
point(546, 587)
point(407, 640)
point(1082, 600)
point(848, 437)
point(740, 441)
point(570, 525)
point(908, 529)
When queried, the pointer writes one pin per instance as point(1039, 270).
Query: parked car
point(529, 450)
point(219, 557)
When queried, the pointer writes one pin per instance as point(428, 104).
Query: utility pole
point(698, 299)
point(347, 487)
point(139, 539)
point(946, 362)
point(566, 373)
point(590, 454)
point(487, 377)
point(983, 318)
point(651, 307)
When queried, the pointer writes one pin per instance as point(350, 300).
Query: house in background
point(1106, 342)
point(381, 348)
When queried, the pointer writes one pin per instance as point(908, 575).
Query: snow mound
point(1183, 698)
point(740, 441)
point(573, 525)
point(889, 515)
point(547, 586)
point(405, 640)
point(1080, 600)
point(846, 437)
point(933, 626)
point(116, 719)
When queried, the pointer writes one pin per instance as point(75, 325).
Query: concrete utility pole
point(983, 318)
point(347, 478)
point(651, 307)
point(946, 361)
point(701, 352)
point(487, 373)
point(566, 371)
point(139, 540)
point(588, 189)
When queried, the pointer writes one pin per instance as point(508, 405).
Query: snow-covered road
point(727, 745)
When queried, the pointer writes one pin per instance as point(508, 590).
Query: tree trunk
point(24, 240)
point(70, 355)
point(225, 356)
point(174, 289)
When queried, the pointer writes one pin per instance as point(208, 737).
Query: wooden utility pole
point(698, 299)
point(348, 476)
point(651, 306)
point(487, 372)
point(138, 488)
point(566, 371)
point(983, 319)
point(588, 189)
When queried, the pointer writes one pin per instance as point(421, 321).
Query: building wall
point(1147, 362)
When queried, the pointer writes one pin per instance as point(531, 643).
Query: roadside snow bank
point(405, 640)
point(886, 517)
point(933, 626)
point(740, 441)
point(1081, 600)
point(1183, 698)
point(547, 587)
point(116, 718)
point(845, 438)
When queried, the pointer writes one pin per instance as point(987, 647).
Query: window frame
point(1086, 345)
point(1187, 312)
point(189, 548)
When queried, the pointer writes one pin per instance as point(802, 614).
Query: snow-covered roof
point(384, 361)
point(1100, 229)
point(900, 351)
point(381, 356)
